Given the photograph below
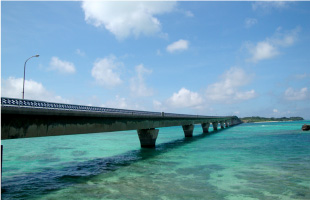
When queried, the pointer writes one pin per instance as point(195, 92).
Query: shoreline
point(269, 122)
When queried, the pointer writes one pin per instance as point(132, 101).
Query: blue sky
point(210, 58)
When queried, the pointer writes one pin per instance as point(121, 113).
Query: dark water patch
point(47, 180)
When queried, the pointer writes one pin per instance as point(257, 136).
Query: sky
point(204, 57)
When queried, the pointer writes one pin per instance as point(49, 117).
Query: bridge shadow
point(46, 181)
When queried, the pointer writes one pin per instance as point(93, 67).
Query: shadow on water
point(40, 183)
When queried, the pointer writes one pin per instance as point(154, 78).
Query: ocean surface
point(248, 161)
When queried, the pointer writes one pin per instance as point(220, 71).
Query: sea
point(248, 161)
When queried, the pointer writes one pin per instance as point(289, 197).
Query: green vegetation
point(264, 119)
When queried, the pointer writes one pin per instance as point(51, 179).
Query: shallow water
point(248, 161)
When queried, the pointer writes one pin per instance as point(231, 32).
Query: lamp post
point(25, 73)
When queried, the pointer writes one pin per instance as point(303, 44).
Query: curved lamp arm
point(25, 73)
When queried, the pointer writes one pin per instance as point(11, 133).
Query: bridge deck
point(28, 118)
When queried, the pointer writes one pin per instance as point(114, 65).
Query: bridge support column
point(226, 124)
point(231, 122)
point(214, 124)
point(222, 125)
point(148, 137)
point(188, 130)
point(205, 127)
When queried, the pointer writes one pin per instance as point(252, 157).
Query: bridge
point(21, 118)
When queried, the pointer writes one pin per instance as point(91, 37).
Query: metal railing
point(14, 102)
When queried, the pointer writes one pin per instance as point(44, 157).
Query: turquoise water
point(248, 161)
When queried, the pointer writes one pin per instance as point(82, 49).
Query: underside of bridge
point(26, 122)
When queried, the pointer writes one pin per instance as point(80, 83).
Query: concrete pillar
point(214, 124)
point(148, 137)
point(205, 127)
point(222, 125)
point(188, 130)
point(231, 122)
point(226, 124)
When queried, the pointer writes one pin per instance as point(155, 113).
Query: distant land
point(272, 119)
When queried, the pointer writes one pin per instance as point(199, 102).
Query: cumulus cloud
point(122, 103)
point(262, 50)
point(249, 22)
point(158, 106)
point(179, 45)
point(124, 19)
point(294, 95)
point(106, 72)
point(13, 87)
point(185, 98)
point(137, 83)
point(227, 89)
point(269, 48)
point(61, 66)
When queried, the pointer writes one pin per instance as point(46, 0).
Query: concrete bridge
point(28, 118)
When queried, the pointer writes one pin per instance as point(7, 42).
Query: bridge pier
point(222, 125)
point(214, 124)
point(205, 127)
point(226, 124)
point(188, 130)
point(148, 137)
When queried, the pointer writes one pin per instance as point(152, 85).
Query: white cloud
point(105, 72)
point(301, 76)
point(249, 22)
point(158, 106)
point(262, 50)
point(189, 13)
point(227, 89)
point(124, 19)
point(185, 98)
point(62, 66)
point(13, 87)
point(275, 110)
point(269, 48)
point(268, 5)
point(293, 95)
point(237, 112)
point(121, 103)
point(158, 52)
point(179, 45)
point(80, 52)
point(137, 83)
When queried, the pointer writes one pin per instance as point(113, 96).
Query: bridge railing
point(14, 102)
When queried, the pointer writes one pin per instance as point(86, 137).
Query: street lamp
point(25, 73)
